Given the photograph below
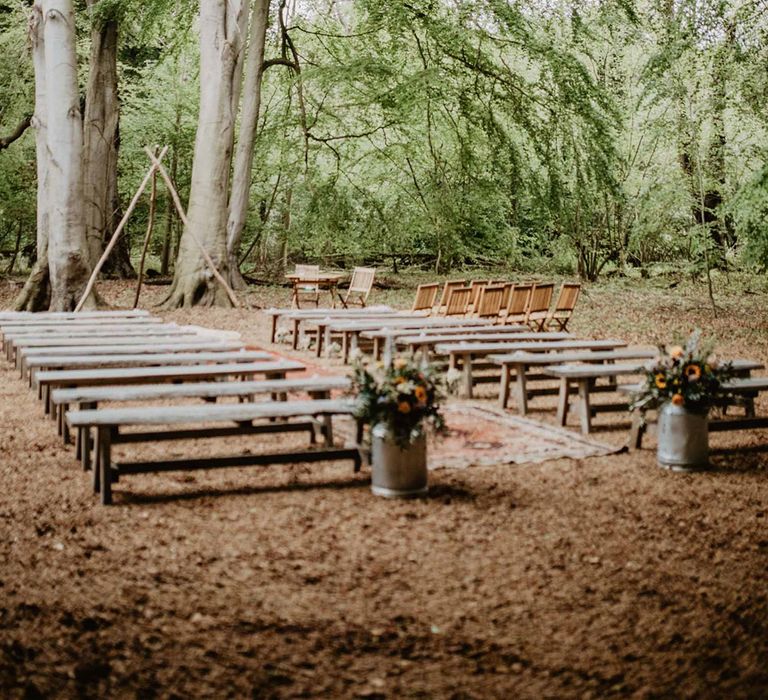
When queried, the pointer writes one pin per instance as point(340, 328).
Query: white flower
point(452, 378)
point(334, 349)
point(354, 354)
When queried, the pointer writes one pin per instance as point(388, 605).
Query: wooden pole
point(150, 226)
point(120, 227)
point(183, 217)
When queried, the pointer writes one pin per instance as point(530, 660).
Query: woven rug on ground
point(484, 435)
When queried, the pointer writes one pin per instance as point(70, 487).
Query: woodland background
point(581, 137)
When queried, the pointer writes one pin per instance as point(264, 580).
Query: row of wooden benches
point(74, 379)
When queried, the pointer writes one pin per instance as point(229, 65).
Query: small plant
point(688, 376)
point(402, 396)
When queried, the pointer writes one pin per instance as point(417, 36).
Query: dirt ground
point(596, 578)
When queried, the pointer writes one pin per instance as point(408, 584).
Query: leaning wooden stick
point(120, 227)
point(150, 226)
point(188, 232)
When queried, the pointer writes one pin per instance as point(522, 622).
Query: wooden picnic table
point(463, 353)
point(51, 379)
point(109, 422)
point(292, 314)
point(324, 280)
point(583, 377)
point(350, 330)
point(518, 363)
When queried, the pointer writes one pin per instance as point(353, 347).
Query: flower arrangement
point(402, 396)
point(685, 375)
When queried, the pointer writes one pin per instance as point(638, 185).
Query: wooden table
point(325, 280)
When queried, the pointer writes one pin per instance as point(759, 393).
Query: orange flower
point(661, 381)
point(676, 351)
point(400, 362)
point(693, 372)
point(404, 407)
point(420, 393)
point(678, 399)
point(399, 380)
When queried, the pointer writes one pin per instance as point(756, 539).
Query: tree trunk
point(221, 41)
point(36, 292)
point(241, 177)
point(100, 148)
point(67, 247)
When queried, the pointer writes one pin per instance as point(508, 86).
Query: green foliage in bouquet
point(403, 396)
point(685, 375)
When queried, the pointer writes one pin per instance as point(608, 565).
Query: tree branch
point(6, 141)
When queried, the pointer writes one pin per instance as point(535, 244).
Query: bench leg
point(467, 369)
point(274, 329)
point(96, 461)
point(504, 388)
point(522, 390)
point(105, 464)
point(585, 410)
point(637, 431)
point(562, 401)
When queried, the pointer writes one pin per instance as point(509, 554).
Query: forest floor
point(599, 577)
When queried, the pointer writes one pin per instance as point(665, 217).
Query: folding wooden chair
point(538, 306)
point(359, 287)
point(517, 306)
point(306, 287)
point(447, 288)
point(564, 306)
point(458, 301)
point(488, 304)
point(476, 286)
point(425, 297)
point(508, 286)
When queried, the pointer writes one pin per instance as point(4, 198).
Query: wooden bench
point(104, 313)
point(517, 364)
point(42, 362)
point(53, 379)
point(582, 377)
point(745, 389)
point(297, 316)
point(228, 419)
point(426, 343)
point(464, 353)
point(91, 397)
point(126, 337)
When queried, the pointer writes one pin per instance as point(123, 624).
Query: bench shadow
point(132, 497)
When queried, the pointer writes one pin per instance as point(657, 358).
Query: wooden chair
point(488, 304)
point(564, 306)
point(306, 287)
point(425, 297)
point(447, 288)
point(477, 287)
point(538, 307)
point(508, 286)
point(517, 306)
point(359, 287)
point(458, 301)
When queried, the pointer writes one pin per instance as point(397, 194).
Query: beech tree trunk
point(222, 30)
point(100, 149)
point(36, 294)
point(241, 176)
point(67, 248)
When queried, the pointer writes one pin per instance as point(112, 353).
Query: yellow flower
point(420, 393)
point(661, 381)
point(678, 399)
point(404, 407)
point(399, 363)
point(676, 351)
point(693, 372)
point(400, 380)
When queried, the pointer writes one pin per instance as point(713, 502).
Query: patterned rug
point(485, 435)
